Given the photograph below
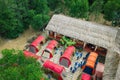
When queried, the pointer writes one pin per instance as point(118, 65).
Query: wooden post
point(47, 32)
point(84, 45)
point(74, 39)
point(55, 35)
point(95, 48)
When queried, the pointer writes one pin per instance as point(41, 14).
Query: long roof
point(53, 67)
point(52, 44)
point(30, 54)
point(38, 40)
point(90, 32)
point(68, 52)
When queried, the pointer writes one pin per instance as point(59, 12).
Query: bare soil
point(17, 43)
point(99, 19)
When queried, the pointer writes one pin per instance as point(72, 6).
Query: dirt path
point(17, 43)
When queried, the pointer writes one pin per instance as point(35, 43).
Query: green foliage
point(79, 8)
point(112, 11)
point(10, 24)
point(38, 14)
point(54, 4)
point(22, 12)
point(15, 66)
point(17, 15)
point(67, 41)
point(40, 6)
point(91, 2)
point(97, 7)
point(39, 21)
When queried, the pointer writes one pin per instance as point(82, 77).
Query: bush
point(15, 66)
point(112, 11)
point(10, 19)
point(40, 6)
point(39, 21)
point(79, 8)
point(17, 15)
point(53, 4)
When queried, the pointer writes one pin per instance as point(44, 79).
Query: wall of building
point(118, 72)
point(117, 41)
point(111, 65)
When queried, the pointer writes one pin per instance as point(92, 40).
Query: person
point(49, 76)
point(61, 53)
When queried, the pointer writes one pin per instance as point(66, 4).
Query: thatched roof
point(117, 42)
point(90, 32)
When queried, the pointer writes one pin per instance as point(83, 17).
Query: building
point(49, 50)
point(54, 68)
point(65, 59)
point(92, 37)
point(35, 45)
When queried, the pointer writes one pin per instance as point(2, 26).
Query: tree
point(22, 12)
point(40, 6)
point(38, 13)
point(79, 8)
point(112, 12)
point(13, 19)
point(54, 4)
point(15, 66)
point(57, 6)
point(96, 8)
point(17, 15)
point(39, 21)
point(91, 2)
point(10, 25)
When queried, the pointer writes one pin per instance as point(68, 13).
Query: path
point(17, 43)
point(57, 56)
point(42, 48)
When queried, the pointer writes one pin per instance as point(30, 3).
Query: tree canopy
point(79, 8)
point(40, 11)
point(15, 66)
point(112, 11)
point(10, 20)
point(17, 15)
point(39, 21)
point(96, 8)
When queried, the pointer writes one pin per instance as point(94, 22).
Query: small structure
point(90, 66)
point(65, 59)
point(48, 52)
point(35, 45)
point(54, 68)
point(99, 71)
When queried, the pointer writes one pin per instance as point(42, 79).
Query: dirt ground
point(17, 43)
point(99, 20)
